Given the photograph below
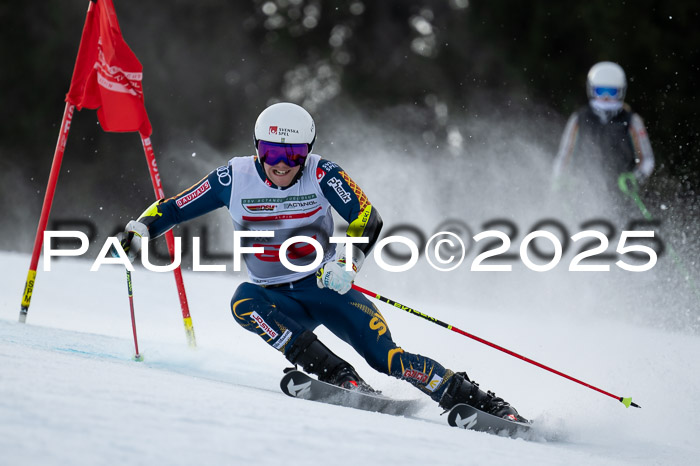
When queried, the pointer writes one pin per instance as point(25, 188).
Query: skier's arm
point(207, 194)
point(348, 199)
point(566, 148)
point(644, 156)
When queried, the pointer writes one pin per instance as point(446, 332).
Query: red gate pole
point(46, 209)
point(169, 238)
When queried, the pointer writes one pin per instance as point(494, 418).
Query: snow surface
point(71, 394)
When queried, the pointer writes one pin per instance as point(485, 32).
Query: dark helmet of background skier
point(284, 132)
point(606, 81)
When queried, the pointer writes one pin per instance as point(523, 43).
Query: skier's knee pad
point(242, 310)
point(245, 301)
point(260, 317)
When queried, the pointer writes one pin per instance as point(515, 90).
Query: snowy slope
point(70, 393)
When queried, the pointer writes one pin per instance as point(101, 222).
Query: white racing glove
point(334, 274)
point(131, 238)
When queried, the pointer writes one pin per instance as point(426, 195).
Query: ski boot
point(463, 390)
point(346, 377)
point(315, 358)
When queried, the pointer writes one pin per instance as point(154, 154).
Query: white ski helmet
point(606, 79)
point(285, 123)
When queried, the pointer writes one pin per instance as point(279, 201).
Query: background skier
point(604, 139)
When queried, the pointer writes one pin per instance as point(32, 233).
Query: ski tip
point(138, 358)
point(628, 402)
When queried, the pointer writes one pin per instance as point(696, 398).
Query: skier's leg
point(284, 324)
point(355, 320)
point(278, 319)
point(358, 322)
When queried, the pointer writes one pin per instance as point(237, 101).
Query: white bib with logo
point(300, 210)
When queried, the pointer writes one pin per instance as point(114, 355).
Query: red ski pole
point(625, 401)
point(137, 356)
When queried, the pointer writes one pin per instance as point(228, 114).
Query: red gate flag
point(107, 75)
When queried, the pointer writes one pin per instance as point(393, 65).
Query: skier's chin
point(281, 176)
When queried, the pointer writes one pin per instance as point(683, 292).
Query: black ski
point(468, 417)
point(297, 384)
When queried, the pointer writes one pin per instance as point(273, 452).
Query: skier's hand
point(627, 182)
point(131, 238)
point(334, 274)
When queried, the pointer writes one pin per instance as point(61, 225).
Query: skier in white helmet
point(605, 135)
point(289, 190)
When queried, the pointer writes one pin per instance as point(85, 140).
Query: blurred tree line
point(211, 65)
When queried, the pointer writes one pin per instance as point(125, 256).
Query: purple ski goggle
point(610, 91)
point(292, 154)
